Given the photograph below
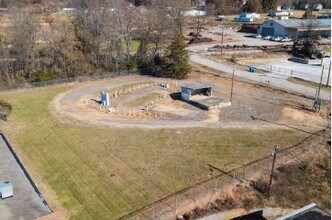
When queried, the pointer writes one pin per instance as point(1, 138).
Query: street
point(279, 82)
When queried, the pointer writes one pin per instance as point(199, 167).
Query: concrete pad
point(25, 203)
point(209, 102)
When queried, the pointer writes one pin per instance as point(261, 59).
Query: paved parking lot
point(286, 68)
point(26, 203)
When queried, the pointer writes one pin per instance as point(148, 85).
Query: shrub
point(5, 110)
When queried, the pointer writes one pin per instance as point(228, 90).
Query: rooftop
point(197, 85)
point(297, 23)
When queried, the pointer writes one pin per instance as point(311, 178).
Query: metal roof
point(197, 85)
point(301, 23)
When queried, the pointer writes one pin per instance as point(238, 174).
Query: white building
point(280, 13)
point(293, 27)
point(194, 13)
point(247, 17)
point(317, 7)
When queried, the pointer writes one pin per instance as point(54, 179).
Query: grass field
point(142, 100)
point(104, 173)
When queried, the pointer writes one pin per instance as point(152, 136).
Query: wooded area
point(39, 45)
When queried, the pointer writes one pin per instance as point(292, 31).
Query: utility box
point(6, 189)
point(105, 99)
point(252, 69)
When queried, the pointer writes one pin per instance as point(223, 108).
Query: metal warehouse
point(294, 27)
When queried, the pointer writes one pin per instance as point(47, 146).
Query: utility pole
point(320, 83)
point(232, 87)
point(318, 102)
point(328, 76)
point(274, 154)
point(222, 38)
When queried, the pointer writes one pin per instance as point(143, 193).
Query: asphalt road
point(279, 82)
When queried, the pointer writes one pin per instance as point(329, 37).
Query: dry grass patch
point(105, 173)
point(140, 101)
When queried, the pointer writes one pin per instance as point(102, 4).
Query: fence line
point(297, 74)
point(206, 191)
point(67, 80)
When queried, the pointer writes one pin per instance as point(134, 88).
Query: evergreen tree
point(175, 62)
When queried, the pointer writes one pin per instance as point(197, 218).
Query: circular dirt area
point(141, 101)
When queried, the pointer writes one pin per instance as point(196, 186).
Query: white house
point(288, 6)
point(247, 17)
point(194, 13)
point(280, 13)
point(317, 7)
point(293, 27)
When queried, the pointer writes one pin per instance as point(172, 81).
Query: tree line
point(92, 40)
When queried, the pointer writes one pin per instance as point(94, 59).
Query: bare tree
point(6, 63)
point(62, 50)
point(159, 27)
point(25, 29)
point(92, 28)
point(125, 17)
point(175, 9)
point(307, 38)
point(199, 21)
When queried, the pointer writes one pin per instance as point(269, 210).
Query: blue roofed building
point(294, 27)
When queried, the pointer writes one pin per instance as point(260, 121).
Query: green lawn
point(104, 173)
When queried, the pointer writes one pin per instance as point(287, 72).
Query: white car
point(286, 39)
point(278, 39)
point(267, 37)
point(220, 17)
point(258, 36)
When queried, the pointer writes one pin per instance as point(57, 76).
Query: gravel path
point(248, 100)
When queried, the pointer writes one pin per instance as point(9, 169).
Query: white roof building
point(293, 27)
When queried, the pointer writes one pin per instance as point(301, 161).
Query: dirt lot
point(248, 100)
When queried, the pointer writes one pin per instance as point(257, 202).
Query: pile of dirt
point(200, 40)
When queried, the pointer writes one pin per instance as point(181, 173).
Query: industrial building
point(295, 27)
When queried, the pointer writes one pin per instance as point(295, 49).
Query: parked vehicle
point(258, 36)
point(267, 37)
point(278, 39)
point(193, 34)
point(220, 17)
point(286, 39)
